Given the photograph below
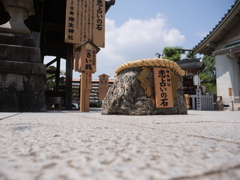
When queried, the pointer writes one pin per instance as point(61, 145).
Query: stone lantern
point(19, 10)
point(22, 73)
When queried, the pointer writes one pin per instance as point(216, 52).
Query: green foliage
point(208, 74)
point(50, 79)
point(62, 73)
point(210, 88)
point(50, 82)
point(96, 105)
point(191, 55)
point(172, 53)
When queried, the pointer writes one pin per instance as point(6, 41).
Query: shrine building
point(223, 42)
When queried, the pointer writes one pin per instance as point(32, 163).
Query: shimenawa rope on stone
point(152, 62)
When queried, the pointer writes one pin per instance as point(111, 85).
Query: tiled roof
point(223, 18)
point(186, 64)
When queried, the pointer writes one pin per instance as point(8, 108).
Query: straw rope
point(152, 62)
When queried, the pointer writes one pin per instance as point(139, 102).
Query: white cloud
point(135, 39)
point(183, 56)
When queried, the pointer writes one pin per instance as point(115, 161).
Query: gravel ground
point(70, 145)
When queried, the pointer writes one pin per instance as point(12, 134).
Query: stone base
point(22, 75)
point(127, 97)
point(12, 101)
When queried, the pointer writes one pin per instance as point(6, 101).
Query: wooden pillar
point(85, 62)
point(85, 92)
point(69, 65)
point(187, 97)
point(57, 74)
point(82, 92)
point(87, 100)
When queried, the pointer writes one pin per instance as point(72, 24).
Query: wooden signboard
point(86, 85)
point(103, 86)
point(85, 58)
point(163, 88)
point(88, 79)
point(85, 20)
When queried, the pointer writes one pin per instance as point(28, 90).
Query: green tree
point(172, 53)
point(191, 55)
point(208, 74)
point(50, 78)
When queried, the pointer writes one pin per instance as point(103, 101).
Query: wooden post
point(86, 84)
point(82, 93)
point(85, 62)
point(87, 100)
point(69, 66)
point(187, 97)
point(57, 74)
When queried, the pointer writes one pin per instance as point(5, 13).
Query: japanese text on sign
point(88, 79)
point(163, 88)
point(85, 20)
point(76, 64)
point(198, 93)
point(87, 58)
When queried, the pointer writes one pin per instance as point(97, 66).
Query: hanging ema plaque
point(85, 20)
point(85, 57)
point(163, 88)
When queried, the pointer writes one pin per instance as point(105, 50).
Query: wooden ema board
point(103, 86)
point(163, 88)
point(230, 92)
point(85, 59)
point(85, 20)
point(86, 85)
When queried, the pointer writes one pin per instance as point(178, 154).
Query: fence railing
point(205, 102)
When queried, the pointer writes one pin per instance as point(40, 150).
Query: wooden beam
point(53, 27)
point(51, 62)
point(69, 64)
point(53, 51)
point(56, 44)
point(227, 51)
point(185, 49)
point(211, 44)
point(38, 15)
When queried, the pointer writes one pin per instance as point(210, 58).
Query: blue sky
point(192, 18)
point(137, 29)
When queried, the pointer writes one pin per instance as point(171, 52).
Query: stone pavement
point(69, 145)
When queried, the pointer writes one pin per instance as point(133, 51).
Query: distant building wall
point(227, 77)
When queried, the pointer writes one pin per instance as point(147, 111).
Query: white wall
point(227, 77)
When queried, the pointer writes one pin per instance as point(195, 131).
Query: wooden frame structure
point(48, 30)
